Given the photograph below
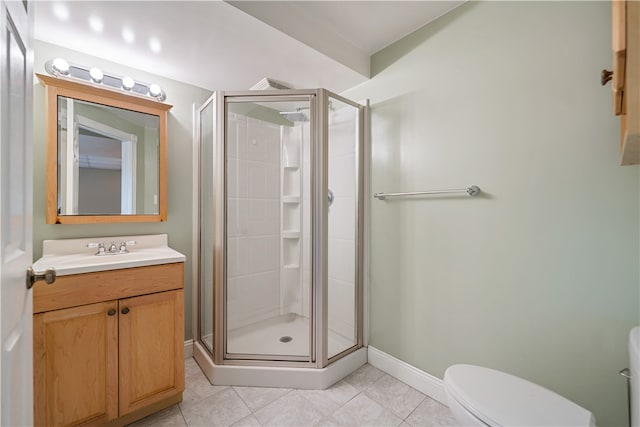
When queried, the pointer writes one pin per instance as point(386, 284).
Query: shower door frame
point(318, 357)
point(221, 232)
point(323, 100)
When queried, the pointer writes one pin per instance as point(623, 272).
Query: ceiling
point(232, 45)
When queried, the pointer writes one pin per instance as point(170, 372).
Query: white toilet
point(480, 396)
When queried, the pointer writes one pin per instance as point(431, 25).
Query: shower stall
point(280, 298)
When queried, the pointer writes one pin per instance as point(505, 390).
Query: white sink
point(71, 256)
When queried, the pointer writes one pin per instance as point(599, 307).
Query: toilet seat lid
point(500, 399)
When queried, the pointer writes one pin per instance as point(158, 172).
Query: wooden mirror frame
point(105, 96)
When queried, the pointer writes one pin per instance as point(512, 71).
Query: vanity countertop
point(72, 256)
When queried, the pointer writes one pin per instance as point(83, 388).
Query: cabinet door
point(76, 365)
point(630, 148)
point(151, 349)
point(619, 46)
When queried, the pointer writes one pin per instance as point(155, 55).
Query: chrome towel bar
point(471, 191)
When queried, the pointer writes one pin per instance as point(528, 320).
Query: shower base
point(286, 335)
point(266, 338)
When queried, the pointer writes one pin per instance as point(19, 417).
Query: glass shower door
point(207, 225)
point(343, 226)
point(268, 279)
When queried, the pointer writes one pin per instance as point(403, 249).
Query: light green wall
point(179, 165)
point(539, 276)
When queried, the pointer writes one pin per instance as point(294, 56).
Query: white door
point(16, 85)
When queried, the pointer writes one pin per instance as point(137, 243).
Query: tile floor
point(368, 397)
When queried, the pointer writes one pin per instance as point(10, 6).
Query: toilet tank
point(634, 367)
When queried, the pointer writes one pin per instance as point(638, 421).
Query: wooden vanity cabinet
point(112, 361)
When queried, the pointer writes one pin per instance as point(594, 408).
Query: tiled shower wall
point(253, 221)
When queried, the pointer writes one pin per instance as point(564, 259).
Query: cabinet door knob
point(605, 76)
point(111, 312)
point(125, 310)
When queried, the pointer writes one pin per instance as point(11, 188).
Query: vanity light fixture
point(59, 67)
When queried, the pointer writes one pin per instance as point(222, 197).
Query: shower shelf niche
point(290, 220)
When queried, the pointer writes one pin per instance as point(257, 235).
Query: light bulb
point(128, 83)
point(155, 90)
point(60, 66)
point(96, 74)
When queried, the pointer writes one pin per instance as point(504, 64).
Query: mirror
point(105, 154)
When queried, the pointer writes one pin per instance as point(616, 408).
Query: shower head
point(295, 116)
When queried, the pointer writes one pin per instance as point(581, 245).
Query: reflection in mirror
point(107, 160)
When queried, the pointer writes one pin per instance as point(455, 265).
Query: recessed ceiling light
point(128, 35)
point(96, 24)
point(61, 11)
point(155, 45)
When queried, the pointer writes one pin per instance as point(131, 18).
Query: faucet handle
point(123, 246)
point(100, 246)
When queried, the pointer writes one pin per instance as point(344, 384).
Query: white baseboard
point(188, 349)
point(416, 378)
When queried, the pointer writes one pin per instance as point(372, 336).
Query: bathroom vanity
point(108, 333)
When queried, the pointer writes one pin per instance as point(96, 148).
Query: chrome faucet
point(100, 246)
point(113, 248)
